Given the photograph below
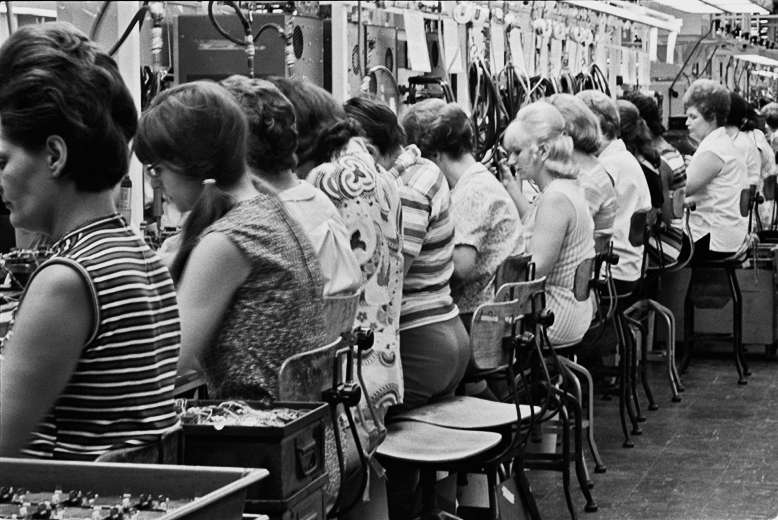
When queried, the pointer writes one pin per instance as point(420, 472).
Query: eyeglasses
point(153, 171)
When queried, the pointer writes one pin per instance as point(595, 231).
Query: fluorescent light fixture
point(689, 6)
point(738, 6)
point(758, 60)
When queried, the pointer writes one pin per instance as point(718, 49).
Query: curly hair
point(55, 81)
point(439, 127)
point(635, 133)
point(710, 98)
point(272, 139)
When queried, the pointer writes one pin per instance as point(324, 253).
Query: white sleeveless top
point(718, 203)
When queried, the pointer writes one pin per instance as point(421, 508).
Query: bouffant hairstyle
point(272, 139)
point(649, 111)
point(710, 98)
point(580, 122)
point(439, 127)
point(199, 130)
point(635, 133)
point(606, 111)
point(378, 123)
point(55, 81)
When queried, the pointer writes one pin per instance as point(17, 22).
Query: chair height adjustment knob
point(365, 338)
point(546, 318)
point(350, 394)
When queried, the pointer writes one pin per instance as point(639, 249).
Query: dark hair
point(436, 126)
point(605, 109)
point(710, 99)
point(770, 114)
point(649, 111)
point(322, 125)
point(741, 114)
point(272, 139)
point(200, 130)
point(55, 81)
point(378, 123)
point(634, 133)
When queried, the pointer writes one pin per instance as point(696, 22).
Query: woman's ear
point(373, 151)
point(56, 155)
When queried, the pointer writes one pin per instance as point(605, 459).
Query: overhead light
point(689, 6)
point(738, 6)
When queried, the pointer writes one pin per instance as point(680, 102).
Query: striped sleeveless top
point(571, 317)
point(120, 394)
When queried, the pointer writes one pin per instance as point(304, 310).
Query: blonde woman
point(542, 153)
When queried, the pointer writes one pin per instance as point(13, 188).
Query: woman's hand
point(512, 184)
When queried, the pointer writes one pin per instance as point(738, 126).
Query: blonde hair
point(544, 125)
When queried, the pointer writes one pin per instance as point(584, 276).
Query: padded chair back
point(768, 188)
point(517, 268)
point(747, 199)
point(585, 273)
point(641, 226)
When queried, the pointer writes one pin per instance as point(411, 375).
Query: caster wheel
point(628, 444)
point(747, 373)
point(681, 388)
point(590, 484)
point(641, 419)
point(742, 382)
point(600, 469)
point(653, 407)
point(637, 431)
point(591, 508)
point(676, 399)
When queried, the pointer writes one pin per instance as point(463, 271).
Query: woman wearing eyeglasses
point(249, 283)
point(91, 359)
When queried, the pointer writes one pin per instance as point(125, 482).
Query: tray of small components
point(57, 490)
point(286, 438)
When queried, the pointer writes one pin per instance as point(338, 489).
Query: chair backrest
point(493, 322)
point(768, 188)
point(340, 313)
point(304, 376)
point(747, 200)
point(585, 273)
point(516, 268)
point(641, 226)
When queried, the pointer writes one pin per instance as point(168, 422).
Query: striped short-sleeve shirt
point(428, 241)
point(121, 392)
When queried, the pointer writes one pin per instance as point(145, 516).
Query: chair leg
point(643, 365)
point(580, 466)
point(688, 327)
point(737, 326)
point(672, 370)
point(622, 384)
point(627, 373)
point(525, 493)
point(491, 477)
point(566, 461)
point(599, 466)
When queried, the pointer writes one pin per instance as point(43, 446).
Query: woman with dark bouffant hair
point(271, 156)
point(90, 361)
point(249, 284)
point(637, 139)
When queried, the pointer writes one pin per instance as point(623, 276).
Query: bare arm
point(215, 270)
point(551, 222)
point(702, 169)
point(49, 334)
point(464, 261)
point(513, 187)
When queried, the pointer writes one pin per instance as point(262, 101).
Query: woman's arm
point(512, 185)
point(701, 171)
point(464, 261)
point(51, 328)
point(214, 271)
point(551, 222)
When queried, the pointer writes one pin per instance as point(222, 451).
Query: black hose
point(222, 31)
point(99, 20)
point(270, 25)
point(136, 20)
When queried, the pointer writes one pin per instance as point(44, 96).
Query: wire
point(136, 20)
point(9, 15)
point(99, 20)
point(222, 31)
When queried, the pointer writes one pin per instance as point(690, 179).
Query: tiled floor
point(713, 456)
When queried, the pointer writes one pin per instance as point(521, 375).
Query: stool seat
point(469, 413)
point(421, 442)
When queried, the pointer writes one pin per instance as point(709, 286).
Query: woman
point(249, 288)
point(435, 346)
point(333, 158)
point(542, 152)
point(715, 175)
point(637, 140)
point(487, 228)
point(271, 157)
point(598, 186)
point(740, 128)
point(90, 364)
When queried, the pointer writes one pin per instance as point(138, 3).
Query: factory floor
point(713, 456)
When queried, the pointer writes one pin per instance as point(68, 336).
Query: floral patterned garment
point(369, 201)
